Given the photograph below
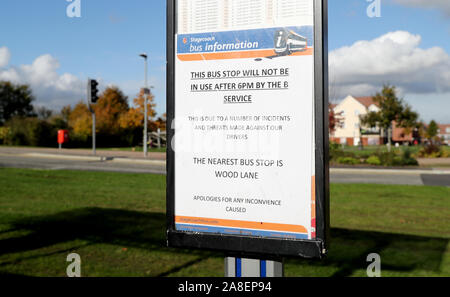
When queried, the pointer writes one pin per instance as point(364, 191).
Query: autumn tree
point(116, 122)
point(335, 119)
point(161, 122)
point(111, 104)
point(134, 117)
point(80, 121)
point(391, 108)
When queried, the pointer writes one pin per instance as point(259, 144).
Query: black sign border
point(250, 246)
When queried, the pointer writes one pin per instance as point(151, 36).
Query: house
point(351, 132)
point(401, 135)
point(444, 133)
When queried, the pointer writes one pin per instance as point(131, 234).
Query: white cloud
point(5, 55)
point(431, 106)
point(441, 5)
point(54, 90)
point(394, 58)
point(50, 88)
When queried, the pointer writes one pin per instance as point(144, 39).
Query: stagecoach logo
point(184, 40)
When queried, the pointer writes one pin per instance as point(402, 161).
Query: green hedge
point(30, 131)
point(394, 158)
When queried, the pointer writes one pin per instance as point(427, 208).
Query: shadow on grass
point(349, 248)
point(403, 253)
point(94, 225)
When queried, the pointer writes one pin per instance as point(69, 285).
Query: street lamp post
point(146, 91)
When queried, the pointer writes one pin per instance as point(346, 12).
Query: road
point(128, 165)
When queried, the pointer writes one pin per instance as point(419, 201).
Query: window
point(447, 130)
point(356, 112)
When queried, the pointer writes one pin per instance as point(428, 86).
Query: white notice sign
point(244, 106)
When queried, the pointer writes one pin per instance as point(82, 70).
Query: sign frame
point(253, 246)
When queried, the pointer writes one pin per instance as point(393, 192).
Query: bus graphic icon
point(287, 42)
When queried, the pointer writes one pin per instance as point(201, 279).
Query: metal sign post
point(247, 158)
point(92, 99)
point(94, 152)
point(146, 94)
point(243, 267)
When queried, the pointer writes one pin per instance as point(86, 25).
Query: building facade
point(351, 132)
point(444, 133)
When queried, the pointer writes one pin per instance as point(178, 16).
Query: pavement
point(83, 152)
point(54, 159)
point(135, 162)
point(413, 177)
point(437, 162)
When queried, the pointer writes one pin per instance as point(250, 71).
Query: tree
point(131, 120)
point(432, 131)
point(80, 121)
point(335, 119)
point(43, 113)
point(29, 131)
point(15, 100)
point(139, 102)
point(116, 122)
point(108, 110)
point(134, 118)
point(161, 122)
point(65, 113)
point(391, 108)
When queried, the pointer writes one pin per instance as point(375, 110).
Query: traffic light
point(92, 90)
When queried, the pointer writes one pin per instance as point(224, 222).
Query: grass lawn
point(116, 222)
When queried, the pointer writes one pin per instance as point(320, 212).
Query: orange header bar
point(238, 55)
point(241, 224)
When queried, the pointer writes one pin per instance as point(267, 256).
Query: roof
point(366, 101)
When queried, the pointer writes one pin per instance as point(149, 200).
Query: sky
point(408, 46)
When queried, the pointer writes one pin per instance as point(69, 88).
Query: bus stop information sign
point(247, 107)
